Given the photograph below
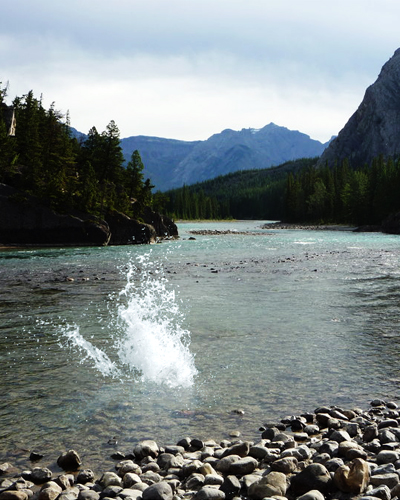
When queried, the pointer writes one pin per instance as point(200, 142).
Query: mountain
point(374, 129)
point(171, 163)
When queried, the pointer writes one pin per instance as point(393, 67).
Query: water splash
point(153, 340)
point(145, 336)
point(89, 351)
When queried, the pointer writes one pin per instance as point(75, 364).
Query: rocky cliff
point(374, 129)
point(25, 221)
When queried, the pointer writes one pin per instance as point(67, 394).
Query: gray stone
point(14, 495)
point(194, 482)
point(270, 485)
point(241, 449)
point(231, 487)
point(312, 495)
point(146, 448)
point(209, 493)
point(40, 475)
point(150, 477)
point(225, 463)
point(88, 495)
point(110, 479)
point(129, 493)
point(158, 491)
point(49, 491)
point(111, 492)
point(386, 457)
point(382, 492)
point(389, 479)
point(85, 476)
point(313, 477)
point(213, 480)
point(130, 479)
point(286, 465)
point(370, 433)
point(243, 466)
point(340, 436)
point(69, 460)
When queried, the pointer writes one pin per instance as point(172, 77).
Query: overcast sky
point(186, 69)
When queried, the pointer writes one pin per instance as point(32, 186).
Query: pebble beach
point(328, 453)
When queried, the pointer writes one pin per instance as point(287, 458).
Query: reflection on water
point(168, 341)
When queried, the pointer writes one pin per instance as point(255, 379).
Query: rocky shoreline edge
point(331, 453)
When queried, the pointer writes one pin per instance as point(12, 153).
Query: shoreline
point(331, 452)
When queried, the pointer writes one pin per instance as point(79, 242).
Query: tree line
point(44, 159)
point(297, 191)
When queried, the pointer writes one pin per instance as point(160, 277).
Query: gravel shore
point(330, 453)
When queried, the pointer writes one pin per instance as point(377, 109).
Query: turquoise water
point(169, 340)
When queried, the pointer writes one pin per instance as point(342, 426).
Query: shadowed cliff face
point(374, 129)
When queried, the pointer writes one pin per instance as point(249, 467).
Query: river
point(204, 337)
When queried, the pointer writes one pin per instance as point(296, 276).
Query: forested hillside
point(297, 191)
point(42, 158)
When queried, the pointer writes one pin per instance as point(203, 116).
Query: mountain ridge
point(171, 163)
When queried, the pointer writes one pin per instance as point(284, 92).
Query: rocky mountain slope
point(374, 129)
point(172, 163)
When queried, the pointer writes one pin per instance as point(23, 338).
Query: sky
point(187, 69)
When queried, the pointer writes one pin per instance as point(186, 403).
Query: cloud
point(187, 69)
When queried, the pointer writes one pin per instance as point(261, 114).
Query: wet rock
point(225, 463)
point(130, 494)
point(40, 475)
point(158, 491)
point(69, 460)
point(85, 476)
point(313, 477)
point(111, 492)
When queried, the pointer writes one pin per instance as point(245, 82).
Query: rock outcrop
point(164, 226)
point(24, 221)
point(27, 222)
point(374, 129)
point(126, 231)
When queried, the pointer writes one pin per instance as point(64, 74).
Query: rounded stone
point(209, 493)
point(158, 491)
point(243, 466)
point(313, 477)
point(387, 457)
point(312, 495)
point(85, 476)
point(69, 460)
point(272, 484)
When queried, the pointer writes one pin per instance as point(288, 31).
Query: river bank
point(331, 452)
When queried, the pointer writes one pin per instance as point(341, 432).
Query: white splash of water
point(146, 338)
point(153, 340)
point(90, 352)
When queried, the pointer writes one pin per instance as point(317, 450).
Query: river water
point(195, 338)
